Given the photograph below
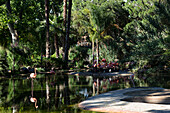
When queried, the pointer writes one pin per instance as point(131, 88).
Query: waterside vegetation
point(72, 34)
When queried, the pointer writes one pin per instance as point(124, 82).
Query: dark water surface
point(60, 93)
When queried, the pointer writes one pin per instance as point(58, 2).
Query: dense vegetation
point(47, 32)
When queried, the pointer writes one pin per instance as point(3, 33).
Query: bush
point(78, 56)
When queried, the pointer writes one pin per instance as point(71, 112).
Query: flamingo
point(33, 75)
point(34, 100)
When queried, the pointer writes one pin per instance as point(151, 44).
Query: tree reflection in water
point(55, 93)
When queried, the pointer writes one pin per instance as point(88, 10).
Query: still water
point(60, 93)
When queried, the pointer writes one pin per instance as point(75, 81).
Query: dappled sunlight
point(130, 99)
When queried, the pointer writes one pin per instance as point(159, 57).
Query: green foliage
point(3, 61)
point(107, 53)
point(19, 56)
point(78, 56)
point(135, 30)
point(52, 62)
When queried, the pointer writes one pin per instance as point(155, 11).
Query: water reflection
point(84, 92)
point(32, 98)
point(14, 107)
point(55, 93)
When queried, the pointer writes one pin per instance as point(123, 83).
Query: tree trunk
point(67, 34)
point(12, 30)
point(64, 24)
point(47, 92)
point(14, 34)
point(93, 49)
point(56, 45)
point(97, 51)
point(55, 34)
point(11, 25)
point(47, 28)
point(97, 86)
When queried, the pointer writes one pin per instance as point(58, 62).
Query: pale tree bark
point(67, 33)
point(64, 23)
point(11, 25)
point(12, 31)
point(64, 12)
point(97, 50)
point(14, 34)
point(98, 86)
point(47, 91)
point(93, 49)
point(47, 28)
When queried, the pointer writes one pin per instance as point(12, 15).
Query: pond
point(60, 93)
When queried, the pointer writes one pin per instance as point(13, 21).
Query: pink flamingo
point(33, 75)
point(34, 100)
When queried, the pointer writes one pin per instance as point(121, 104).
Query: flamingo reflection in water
point(34, 100)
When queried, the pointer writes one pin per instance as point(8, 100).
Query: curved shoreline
point(111, 102)
point(102, 74)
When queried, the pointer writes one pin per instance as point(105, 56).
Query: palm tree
point(94, 19)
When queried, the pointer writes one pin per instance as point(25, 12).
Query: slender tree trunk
point(14, 34)
point(47, 92)
point(11, 25)
point(97, 50)
point(65, 12)
point(55, 34)
point(56, 45)
point(12, 30)
point(93, 49)
point(98, 86)
point(47, 28)
point(67, 33)
point(64, 24)
point(94, 89)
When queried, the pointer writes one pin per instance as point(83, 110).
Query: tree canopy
point(132, 30)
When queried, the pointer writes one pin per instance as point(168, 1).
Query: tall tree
point(47, 29)
point(95, 19)
point(67, 33)
point(11, 24)
point(64, 24)
point(12, 30)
